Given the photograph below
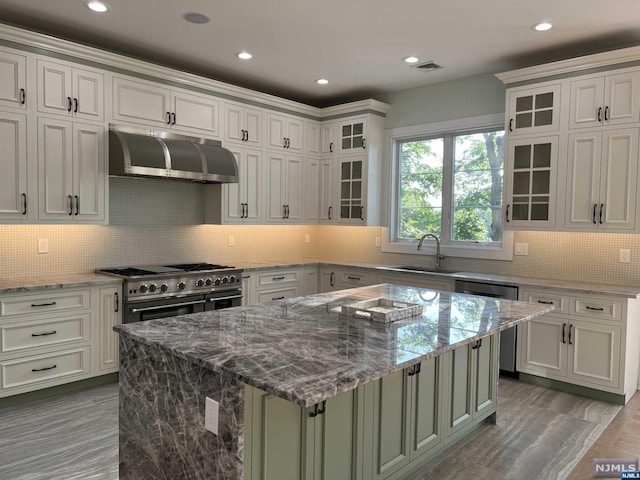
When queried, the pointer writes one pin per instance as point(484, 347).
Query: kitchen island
point(307, 392)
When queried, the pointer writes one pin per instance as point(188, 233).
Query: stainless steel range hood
point(150, 153)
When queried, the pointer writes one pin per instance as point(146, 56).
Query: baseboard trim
point(576, 389)
point(23, 398)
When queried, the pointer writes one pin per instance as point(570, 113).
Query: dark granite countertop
point(304, 350)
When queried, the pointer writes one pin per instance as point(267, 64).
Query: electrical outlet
point(625, 255)
point(232, 240)
point(521, 249)
point(43, 245)
point(211, 411)
point(307, 238)
point(377, 241)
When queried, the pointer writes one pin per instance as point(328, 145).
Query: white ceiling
point(357, 44)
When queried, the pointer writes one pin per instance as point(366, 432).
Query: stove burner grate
point(128, 272)
point(195, 267)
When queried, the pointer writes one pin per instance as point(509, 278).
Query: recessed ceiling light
point(322, 81)
point(542, 27)
point(96, 6)
point(245, 55)
point(196, 18)
point(411, 59)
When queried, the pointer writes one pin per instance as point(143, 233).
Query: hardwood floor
point(540, 434)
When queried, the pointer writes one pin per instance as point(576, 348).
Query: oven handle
point(159, 307)
point(215, 299)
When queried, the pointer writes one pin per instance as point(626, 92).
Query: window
point(449, 184)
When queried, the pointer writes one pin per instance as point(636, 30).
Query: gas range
point(147, 282)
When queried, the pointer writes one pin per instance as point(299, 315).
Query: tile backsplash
point(156, 221)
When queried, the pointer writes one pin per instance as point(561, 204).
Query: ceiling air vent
point(426, 66)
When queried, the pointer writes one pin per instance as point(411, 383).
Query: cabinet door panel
point(294, 189)
point(55, 172)
point(426, 429)
point(276, 185)
point(196, 113)
point(110, 316)
point(54, 88)
point(622, 98)
point(12, 79)
point(583, 180)
point(326, 199)
point(89, 172)
point(460, 385)
point(542, 346)
point(13, 157)
point(233, 191)
point(277, 131)
point(594, 353)
point(312, 138)
point(140, 102)
point(618, 180)
point(253, 163)
point(486, 381)
point(253, 123)
point(311, 195)
point(234, 116)
point(336, 459)
point(391, 432)
point(295, 135)
point(327, 138)
point(587, 97)
point(88, 89)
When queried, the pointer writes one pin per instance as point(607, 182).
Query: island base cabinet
point(284, 441)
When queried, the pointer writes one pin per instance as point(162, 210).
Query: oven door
point(160, 308)
point(228, 299)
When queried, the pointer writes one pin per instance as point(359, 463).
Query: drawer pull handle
point(43, 304)
point(545, 302)
point(44, 334)
point(353, 278)
point(43, 369)
point(277, 298)
point(595, 309)
point(277, 278)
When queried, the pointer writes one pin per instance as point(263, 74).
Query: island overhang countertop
point(306, 351)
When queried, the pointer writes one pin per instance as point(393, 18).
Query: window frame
point(393, 138)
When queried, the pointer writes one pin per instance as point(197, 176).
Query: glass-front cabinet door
point(352, 189)
point(533, 110)
point(353, 135)
point(530, 199)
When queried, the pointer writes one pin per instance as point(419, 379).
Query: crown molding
point(115, 60)
point(587, 62)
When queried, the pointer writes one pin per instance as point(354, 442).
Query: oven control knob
point(208, 282)
point(217, 282)
point(164, 287)
point(225, 280)
point(152, 288)
point(143, 288)
point(233, 279)
point(200, 283)
point(181, 286)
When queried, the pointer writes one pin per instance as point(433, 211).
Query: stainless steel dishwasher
point(507, 337)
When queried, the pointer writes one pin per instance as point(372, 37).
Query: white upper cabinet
point(71, 171)
point(312, 138)
point(285, 188)
point(141, 102)
point(242, 201)
point(14, 198)
point(530, 185)
point(328, 138)
point(151, 104)
point(13, 78)
point(605, 100)
point(326, 193)
point(70, 91)
point(602, 179)
point(243, 124)
point(532, 110)
point(285, 132)
point(352, 135)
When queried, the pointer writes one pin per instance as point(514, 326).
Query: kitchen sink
point(412, 268)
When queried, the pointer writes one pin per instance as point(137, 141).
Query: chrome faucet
point(439, 255)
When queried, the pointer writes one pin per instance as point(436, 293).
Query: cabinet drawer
point(560, 302)
point(45, 332)
point(278, 277)
point(596, 308)
point(354, 279)
point(45, 368)
point(274, 295)
point(44, 303)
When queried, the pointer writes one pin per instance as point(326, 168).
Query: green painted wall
point(467, 97)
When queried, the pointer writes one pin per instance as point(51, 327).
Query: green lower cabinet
point(406, 420)
point(283, 441)
point(471, 384)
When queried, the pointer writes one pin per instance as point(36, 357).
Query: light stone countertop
point(305, 351)
point(50, 282)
